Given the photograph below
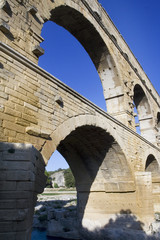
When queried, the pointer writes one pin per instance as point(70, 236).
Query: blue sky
point(139, 23)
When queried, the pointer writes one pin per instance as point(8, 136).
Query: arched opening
point(144, 113)
point(101, 173)
point(67, 60)
point(91, 148)
point(55, 212)
point(153, 167)
point(56, 161)
point(98, 164)
point(136, 118)
point(78, 25)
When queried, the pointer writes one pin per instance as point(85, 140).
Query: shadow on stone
point(9, 35)
point(126, 226)
point(62, 221)
point(1, 66)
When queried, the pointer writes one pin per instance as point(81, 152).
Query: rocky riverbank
point(56, 212)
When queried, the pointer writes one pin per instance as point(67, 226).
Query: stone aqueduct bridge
point(115, 168)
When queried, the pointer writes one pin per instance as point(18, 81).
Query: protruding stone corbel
point(33, 10)
point(38, 51)
point(125, 82)
point(158, 137)
point(38, 132)
point(20, 1)
point(5, 6)
point(97, 16)
point(4, 27)
point(125, 56)
point(135, 69)
point(113, 38)
point(143, 81)
point(130, 120)
point(58, 99)
point(131, 104)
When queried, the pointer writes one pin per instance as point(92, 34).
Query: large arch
point(144, 113)
point(70, 62)
point(153, 166)
point(99, 166)
point(70, 125)
point(80, 25)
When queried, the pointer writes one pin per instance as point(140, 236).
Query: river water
point(41, 235)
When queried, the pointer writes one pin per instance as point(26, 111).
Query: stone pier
point(21, 179)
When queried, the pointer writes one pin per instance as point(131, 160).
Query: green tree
point(56, 185)
point(49, 180)
point(69, 178)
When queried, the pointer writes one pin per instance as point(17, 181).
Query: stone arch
point(153, 166)
point(98, 164)
point(144, 113)
point(70, 62)
point(97, 154)
point(80, 24)
point(70, 125)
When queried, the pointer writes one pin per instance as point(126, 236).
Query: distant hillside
point(60, 178)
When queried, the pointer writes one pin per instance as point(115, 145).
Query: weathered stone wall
point(37, 108)
point(89, 22)
point(21, 179)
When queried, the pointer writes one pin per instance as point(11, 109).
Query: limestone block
point(144, 196)
point(12, 112)
point(20, 176)
point(31, 119)
point(30, 107)
point(14, 195)
point(6, 186)
point(11, 236)
point(119, 186)
point(3, 95)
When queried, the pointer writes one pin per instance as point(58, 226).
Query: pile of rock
point(58, 217)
